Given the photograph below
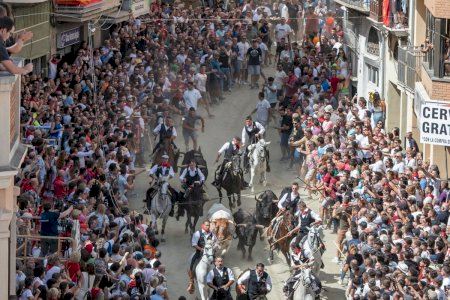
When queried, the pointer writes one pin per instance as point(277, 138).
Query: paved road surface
point(176, 250)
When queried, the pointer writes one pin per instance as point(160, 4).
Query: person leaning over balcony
point(6, 27)
point(23, 37)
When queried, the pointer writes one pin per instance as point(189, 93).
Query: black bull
point(266, 207)
point(246, 230)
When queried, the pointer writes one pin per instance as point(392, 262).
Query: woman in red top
point(73, 266)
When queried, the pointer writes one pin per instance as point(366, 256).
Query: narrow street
point(228, 122)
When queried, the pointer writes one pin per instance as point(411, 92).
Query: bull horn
point(243, 225)
point(201, 166)
point(275, 201)
point(231, 222)
point(259, 226)
point(256, 199)
point(183, 166)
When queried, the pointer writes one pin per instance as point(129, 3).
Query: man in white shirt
point(243, 47)
point(220, 279)
point(164, 169)
point(399, 164)
point(255, 283)
point(192, 174)
point(192, 96)
point(251, 132)
point(198, 242)
point(263, 110)
point(229, 149)
point(165, 130)
point(290, 200)
point(282, 30)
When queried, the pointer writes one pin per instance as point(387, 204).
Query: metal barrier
point(26, 239)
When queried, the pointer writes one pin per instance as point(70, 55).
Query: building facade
point(387, 48)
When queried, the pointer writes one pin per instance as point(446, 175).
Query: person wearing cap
point(163, 169)
point(220, 279)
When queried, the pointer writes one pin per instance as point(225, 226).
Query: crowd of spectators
point(90, 127)
point(385, 202)
point(90, 130)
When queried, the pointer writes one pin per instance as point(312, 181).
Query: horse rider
point(163, 169)
point(165, 130)
point(289, 200)
point(306, 219)
point(251, 132)
point(220, 279)
point(256, 284)
point(191, 174)
point(198, 242)
point(229, 149)
point(300, 258)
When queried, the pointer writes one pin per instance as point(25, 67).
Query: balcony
point(376, 11)
point(84, 10)
point(409, 67)
point(362, 6)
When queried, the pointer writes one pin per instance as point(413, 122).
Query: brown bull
point(277, 234)
point(224, 230)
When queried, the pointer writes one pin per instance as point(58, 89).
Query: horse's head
point(306, 277)
point(314, 236)
point(163, 182)
point(235, 163)
point(258, 150)
point(208, 251)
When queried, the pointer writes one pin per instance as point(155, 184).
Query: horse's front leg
point(230, 201)
point(155, 223)
point(188, 223)
point(252, 179)
point(239, 199)
point(194, 225)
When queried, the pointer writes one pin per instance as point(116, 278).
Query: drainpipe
point(412, 21)
point(384, 35)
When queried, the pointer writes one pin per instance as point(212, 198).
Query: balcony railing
point(376, 10)
point(359, 5)
point(409, 67)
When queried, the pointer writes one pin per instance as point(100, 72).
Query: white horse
point(258, 162)
point(303, 287)
point(203, 267)
point(161, 205)
point(313, 242)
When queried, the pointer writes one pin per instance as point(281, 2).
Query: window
point(373, 42)
point(430, 36)
point(372, 74)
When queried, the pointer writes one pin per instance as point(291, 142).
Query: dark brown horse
point(277, 235)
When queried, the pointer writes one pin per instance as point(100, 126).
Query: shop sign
point(435, 123)
point(68, 38)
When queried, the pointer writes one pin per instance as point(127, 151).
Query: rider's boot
point(191, 286)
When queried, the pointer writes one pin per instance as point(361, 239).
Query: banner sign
point(68, 38)
point(435, 123)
